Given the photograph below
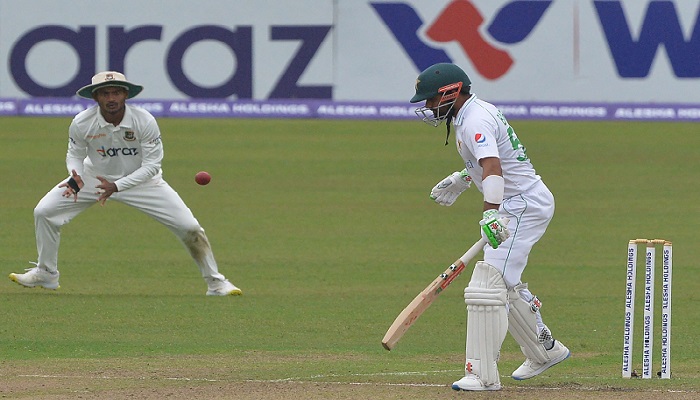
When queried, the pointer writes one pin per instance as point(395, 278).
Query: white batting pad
point(487, 321)
point(523, 320)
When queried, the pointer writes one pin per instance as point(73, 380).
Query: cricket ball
point(202, 177)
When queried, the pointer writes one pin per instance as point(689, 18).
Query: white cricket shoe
point(531, 368)
point(37, 276)
point(472, 382)
point(218, 287)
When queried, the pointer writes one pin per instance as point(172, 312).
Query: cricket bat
point(413, 310)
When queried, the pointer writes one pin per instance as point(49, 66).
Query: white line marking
point(314, 379)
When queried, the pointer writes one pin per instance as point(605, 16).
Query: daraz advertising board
point(567, 59)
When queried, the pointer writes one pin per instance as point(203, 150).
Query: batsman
point(518, 207)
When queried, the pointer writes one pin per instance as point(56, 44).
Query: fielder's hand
point(72, 185)
point(107, 188)
point(494, 229)
point(446, 192)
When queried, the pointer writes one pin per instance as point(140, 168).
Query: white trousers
point(155, 198)
point(529, 214)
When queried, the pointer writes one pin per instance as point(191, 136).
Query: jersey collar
point(459, 119)
point(126, 122)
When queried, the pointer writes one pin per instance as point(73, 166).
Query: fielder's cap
point(109, 78)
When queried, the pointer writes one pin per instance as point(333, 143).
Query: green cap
point(436, 76)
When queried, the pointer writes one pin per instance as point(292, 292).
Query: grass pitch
point(328, 229)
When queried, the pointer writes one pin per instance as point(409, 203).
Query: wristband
point(493, 187)
point(73, 185)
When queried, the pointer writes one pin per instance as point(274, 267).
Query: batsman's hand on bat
point(447, 190)
point(72, 185)
point(107, 188)
point(494, 229)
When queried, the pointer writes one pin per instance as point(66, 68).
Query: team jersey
point(128, 154)
point(482, 131)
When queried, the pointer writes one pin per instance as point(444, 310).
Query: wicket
point(648, 324)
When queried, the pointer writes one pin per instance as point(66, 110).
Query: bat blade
point(420, 303)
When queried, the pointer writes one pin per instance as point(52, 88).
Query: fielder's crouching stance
point(518, 207)
point(115, 153)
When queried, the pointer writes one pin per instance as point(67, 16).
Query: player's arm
point(77, 150)
point(75, 156)
point(493, 228)
point(492, 171)
point(151, 158)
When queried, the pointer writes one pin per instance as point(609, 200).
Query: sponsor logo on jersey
point(155, 141)
point(479, 138)
point(117, 151)
point(129, 136)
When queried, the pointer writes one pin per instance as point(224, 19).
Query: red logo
point(460, 21)
point(468, 367)
point(535, 304)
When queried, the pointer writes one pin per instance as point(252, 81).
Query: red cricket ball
point(202, 177)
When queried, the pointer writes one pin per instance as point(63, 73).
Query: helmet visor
point(435, 114)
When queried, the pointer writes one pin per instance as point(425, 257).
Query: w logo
point(485, 41)
point(461, 22)
point(660, 26)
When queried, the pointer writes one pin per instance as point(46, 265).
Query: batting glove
point(446, 192)
point(494, 229)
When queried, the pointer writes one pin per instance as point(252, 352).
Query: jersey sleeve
point(77, 149)
point(151, 157)
point(481, 140)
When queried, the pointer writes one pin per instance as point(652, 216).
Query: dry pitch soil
point(60, 388)
point(217, 377)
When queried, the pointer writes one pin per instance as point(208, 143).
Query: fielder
point(115, 153)
point(518, 207)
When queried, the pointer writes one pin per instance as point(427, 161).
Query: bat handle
point(473, 251)
point(476, 247)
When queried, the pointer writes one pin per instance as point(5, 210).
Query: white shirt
point(128, 154)
point(482, 131)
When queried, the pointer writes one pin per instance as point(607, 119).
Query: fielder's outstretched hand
point(106, 189)
point(72, 185)
point(447, 190)
point(494, 229)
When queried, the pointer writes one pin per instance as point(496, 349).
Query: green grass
point(328, 229)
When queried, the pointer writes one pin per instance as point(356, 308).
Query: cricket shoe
point(218, 287)
point(531, 368)
point(37, 276)
point(472, 382)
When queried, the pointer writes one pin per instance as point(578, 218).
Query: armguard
point(493, 187)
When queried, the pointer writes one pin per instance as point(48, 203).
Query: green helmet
point(438, 76)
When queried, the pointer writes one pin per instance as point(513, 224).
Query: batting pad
point(522, 325)
point(487, 321)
